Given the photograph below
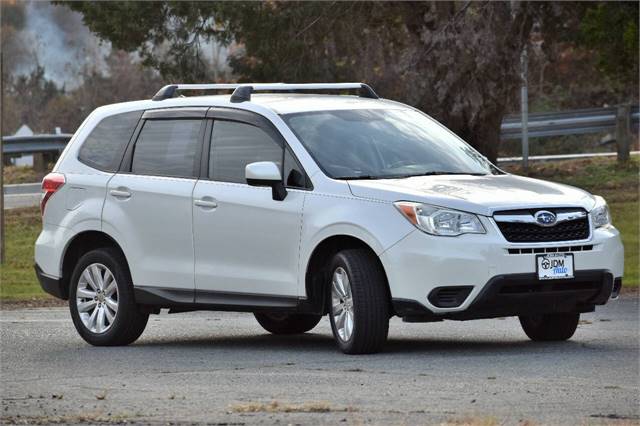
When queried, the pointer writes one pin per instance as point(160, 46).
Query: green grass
point(618, 184)
point(17, 277)
point(600, 176)
point(625, 218)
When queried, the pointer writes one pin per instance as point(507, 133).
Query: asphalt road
point(21, 195)
point(219, 367)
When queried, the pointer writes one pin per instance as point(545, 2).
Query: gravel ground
point(222, 368)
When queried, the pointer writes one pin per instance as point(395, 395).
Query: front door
point(246, 243)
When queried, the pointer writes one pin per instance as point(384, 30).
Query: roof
point(24, 130)
point(283, 103)
point(286, 103)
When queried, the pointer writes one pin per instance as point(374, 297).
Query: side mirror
point(266, 173)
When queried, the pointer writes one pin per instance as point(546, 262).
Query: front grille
point(522, 232)
point(549, 249)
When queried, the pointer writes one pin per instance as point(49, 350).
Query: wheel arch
point(82, 243)
point(316, 276)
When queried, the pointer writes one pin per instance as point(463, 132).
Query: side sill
point(187, 300)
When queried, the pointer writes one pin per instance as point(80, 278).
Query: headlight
point(600, 215)
point(440, 221)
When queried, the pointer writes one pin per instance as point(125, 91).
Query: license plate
point(554, 266)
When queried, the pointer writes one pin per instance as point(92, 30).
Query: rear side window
point(167, 148)
point(234, 145)
point(104, 147)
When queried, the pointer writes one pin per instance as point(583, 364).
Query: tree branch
point(305, 29)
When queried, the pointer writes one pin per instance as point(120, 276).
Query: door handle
point(120, 193)
point(206, 203)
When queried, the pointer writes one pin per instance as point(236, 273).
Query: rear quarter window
point(104, 147)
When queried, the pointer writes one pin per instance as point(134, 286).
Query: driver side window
point(234, 145)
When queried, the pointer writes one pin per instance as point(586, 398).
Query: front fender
point(378, 224)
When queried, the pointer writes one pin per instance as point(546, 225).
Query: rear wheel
point(101, 300)
point(283, 323)
point(550, 327)
point(359, 310)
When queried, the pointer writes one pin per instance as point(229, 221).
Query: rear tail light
point(50, 184)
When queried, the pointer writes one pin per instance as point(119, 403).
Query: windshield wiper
point(370, 177)
point(434, 173)
point(440, 173)
point(361, 177)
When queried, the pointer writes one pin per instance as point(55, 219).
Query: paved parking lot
point(221, 368)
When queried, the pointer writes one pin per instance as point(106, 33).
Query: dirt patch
point(283, 407)
point(97, 417)
point(629, 291)
point(478, 421)
point(48, 302)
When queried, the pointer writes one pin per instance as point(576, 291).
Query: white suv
point(292, 205)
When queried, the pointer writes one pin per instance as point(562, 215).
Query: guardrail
point(576, 122)
point(36, 144)
point(558, 157)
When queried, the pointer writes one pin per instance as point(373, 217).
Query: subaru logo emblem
point(545, 218)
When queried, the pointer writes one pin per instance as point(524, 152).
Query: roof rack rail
point(242, 92)
point(170, 90)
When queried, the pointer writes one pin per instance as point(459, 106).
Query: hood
point(476, 194)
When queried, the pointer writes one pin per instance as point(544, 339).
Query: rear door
point(246, 243)
point(149, 201)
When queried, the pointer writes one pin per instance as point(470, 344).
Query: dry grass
point(22, 174)
point(476, 421)
point(283, 407)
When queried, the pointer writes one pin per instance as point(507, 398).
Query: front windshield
point(383, 143)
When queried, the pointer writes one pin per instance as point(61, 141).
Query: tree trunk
point(471, 67)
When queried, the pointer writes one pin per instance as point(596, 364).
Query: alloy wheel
point(342, 304)
point(97, 298)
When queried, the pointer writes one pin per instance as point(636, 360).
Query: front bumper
point(523, 294)
point(421, 263)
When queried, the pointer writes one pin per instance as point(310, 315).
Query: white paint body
point(241, 240)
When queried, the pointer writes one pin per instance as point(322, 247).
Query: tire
point(276, 323)
point(118, 327)
point(366, 302)
point(551, 327)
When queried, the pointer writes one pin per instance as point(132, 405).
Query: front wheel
point(359, 310)
point(101, 300)
point(550, 327)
